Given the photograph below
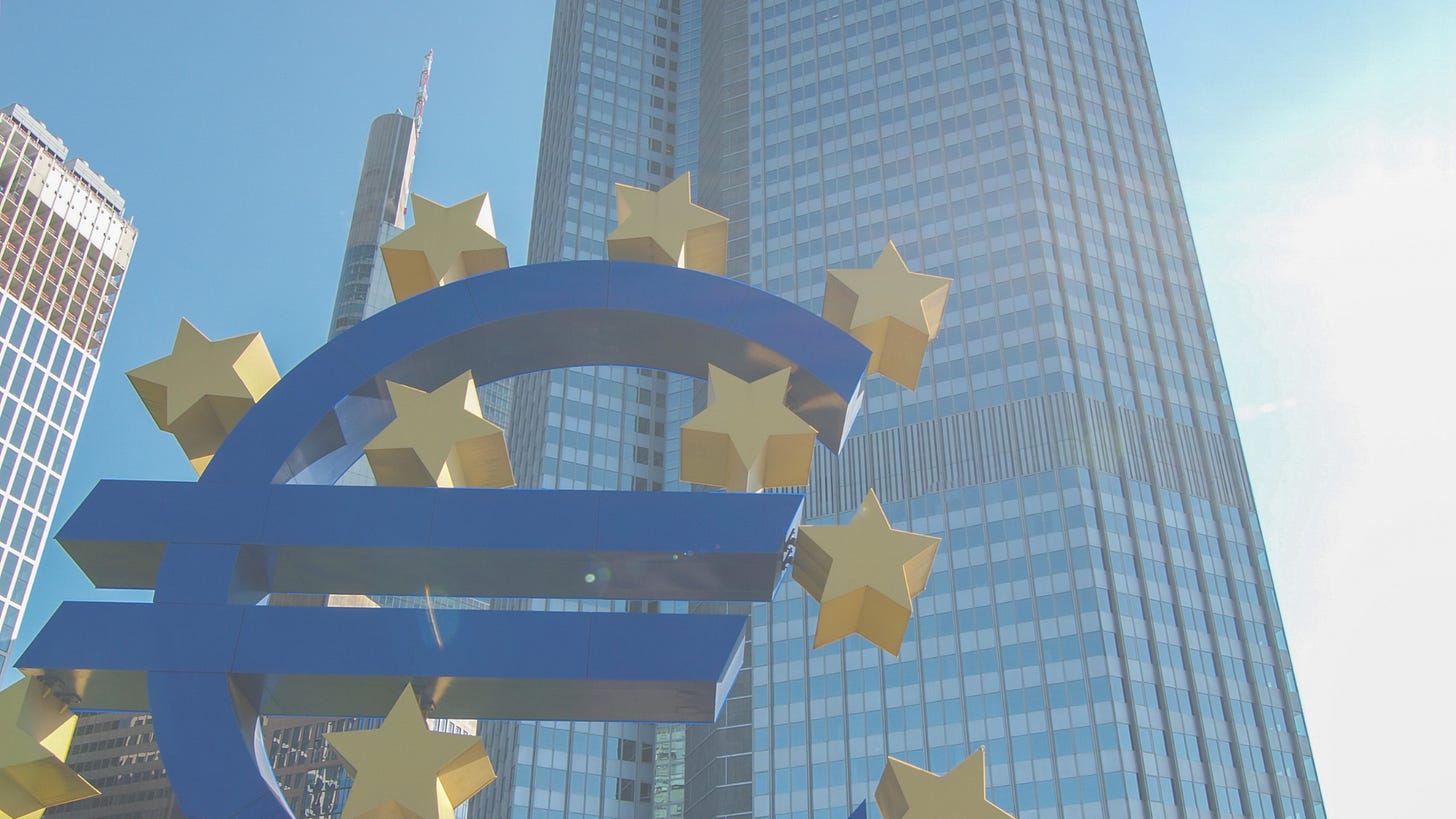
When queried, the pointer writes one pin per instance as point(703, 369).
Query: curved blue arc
point(539, 317)
point(500, 324)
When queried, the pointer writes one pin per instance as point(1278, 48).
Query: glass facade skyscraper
point(379, 208)
point(64, 249)
point(1101, 615)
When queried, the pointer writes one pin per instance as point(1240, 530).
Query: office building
point(379, 209)
point(65, 244)
point(1101, 616)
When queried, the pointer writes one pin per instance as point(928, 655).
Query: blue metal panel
point(861, 812)
point(405, 540)
point(221, 777)
point(612, 657)
point(697, 523)
point(398, 642)
point(548, 287)
point(211, 572)
point(146, 515)
point(135, 637)
point(485, 664)
point(523, 519)
point(715, 300)
point(384, 516)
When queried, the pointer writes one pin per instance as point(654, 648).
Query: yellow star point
point(865, 576)
point(403, 770)
point(665, 227)
point(890, 310)
point(440, 439)
point(908, 792)
point(746, 439)
point(445, 244)
point(35, 736)
point(203, 388)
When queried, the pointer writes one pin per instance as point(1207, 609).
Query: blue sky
point(1317, 147)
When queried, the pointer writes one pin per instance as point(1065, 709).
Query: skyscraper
point(1101, 615)
point(379, 208)
point(66, 246)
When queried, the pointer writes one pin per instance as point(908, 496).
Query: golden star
point(665, 227)
point(201, 391)
point(890, 310)
point(403, 770)
point(35, 736)
point(440, 439)
point(864, 576)
point(445, 244)
point(908, 792)
point(746, 439)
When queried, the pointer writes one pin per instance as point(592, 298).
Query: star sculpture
point(439, 439)
point(202, 389)
point(746, 439)
point(665, 227)
point(908, 792)
point(864, 576)
point(35, 736)
point(403, 770)
point(891, 310)
point(445, 244)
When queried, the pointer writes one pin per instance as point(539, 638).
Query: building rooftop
point(76, 165)
point(96, 181)
point(37, 129)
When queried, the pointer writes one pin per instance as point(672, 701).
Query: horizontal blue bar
point(331, 661)
point(455, 542)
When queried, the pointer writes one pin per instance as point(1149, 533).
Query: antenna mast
point(423, 93)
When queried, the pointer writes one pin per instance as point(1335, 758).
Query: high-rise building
point(379, 208)
point(1101, 615)
point(66, 247)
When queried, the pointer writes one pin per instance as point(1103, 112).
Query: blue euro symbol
point(208, 661)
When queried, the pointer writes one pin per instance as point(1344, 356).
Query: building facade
point(379, 210)
point(65, 244)
point(1101, 616)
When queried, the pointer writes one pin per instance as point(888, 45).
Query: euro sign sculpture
point(264, 517)
point(267, 516)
